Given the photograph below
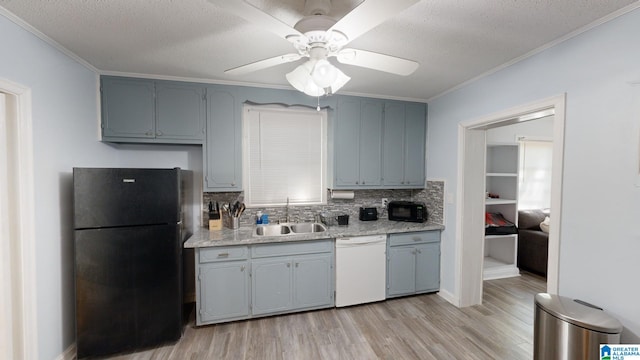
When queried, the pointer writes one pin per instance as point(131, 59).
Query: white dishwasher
point(361, 266)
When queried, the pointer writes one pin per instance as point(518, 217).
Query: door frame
point(19, 179)
point(470, 203)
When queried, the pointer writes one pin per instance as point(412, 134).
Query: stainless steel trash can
point(567, 329)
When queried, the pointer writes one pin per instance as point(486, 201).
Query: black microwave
point(407, 211)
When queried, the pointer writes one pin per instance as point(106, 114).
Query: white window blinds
point(535, 174)
point(284, 155)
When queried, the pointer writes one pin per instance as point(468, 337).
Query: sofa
point(533, 243)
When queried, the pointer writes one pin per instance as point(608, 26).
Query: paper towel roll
point(342, 194)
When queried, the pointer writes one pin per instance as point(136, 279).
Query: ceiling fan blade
point(263, 64)
point(257, 17)
point(369, 14)
point(377, 61)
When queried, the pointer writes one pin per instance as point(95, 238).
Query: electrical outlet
point(385, 201)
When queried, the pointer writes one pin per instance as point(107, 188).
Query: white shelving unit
point(500, 251)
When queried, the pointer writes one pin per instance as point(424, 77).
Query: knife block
point(215, 224)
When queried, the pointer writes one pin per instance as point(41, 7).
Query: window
point(284, 155)
point(535, 174)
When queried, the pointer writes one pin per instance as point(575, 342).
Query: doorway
point(18, 330)
point(471, 190)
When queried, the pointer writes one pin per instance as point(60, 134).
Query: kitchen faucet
point(287, 219)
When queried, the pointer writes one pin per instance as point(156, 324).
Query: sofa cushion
point(531, 219)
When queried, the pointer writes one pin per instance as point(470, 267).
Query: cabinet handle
point(363, 182)
point(223, 255)
point(419, 251)
point(413, 251)
point(297, 264)
point(233, 184)
point(159, 133)
point(288, 264)
point(149, 133)
point(357, 182)
point(242, 268)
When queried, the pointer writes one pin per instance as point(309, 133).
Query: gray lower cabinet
point(283, 284)
point(239, 282)
point(222, 284)
point(148, 111)
point(292, 276)
point(413, 263)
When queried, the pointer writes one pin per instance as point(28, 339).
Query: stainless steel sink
point(290, 229)
point(273, 230)
point(308, 228)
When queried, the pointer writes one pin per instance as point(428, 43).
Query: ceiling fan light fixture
point(324, 74)
point(317, 78)
point(339, 82)
point(300, 78)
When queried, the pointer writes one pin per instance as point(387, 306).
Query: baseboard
point(69, 353)
point(449, 297)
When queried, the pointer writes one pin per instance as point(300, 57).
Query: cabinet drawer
point(292, 248)
point(223, 253)
point(413, 238)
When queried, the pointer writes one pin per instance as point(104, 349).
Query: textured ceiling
point(453, 40)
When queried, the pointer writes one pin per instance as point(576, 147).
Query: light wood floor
point(415, 327)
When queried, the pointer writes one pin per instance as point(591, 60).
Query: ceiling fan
point(318, 37)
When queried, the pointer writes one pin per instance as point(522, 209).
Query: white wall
point(65, 135)
point(600, 236)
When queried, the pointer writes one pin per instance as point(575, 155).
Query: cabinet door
point(401, 278)
point(180, 111)
point(427, 267)
point(371, 143)
point(223, 162)
point(223, 291)
point(394, 144)
point(271, 285)
point(346, 143)
point(415, 140)
point(128, 108)
point(312, 281)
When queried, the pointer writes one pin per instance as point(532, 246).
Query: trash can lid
point(577, 313)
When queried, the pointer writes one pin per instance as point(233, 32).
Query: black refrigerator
point(129, 229)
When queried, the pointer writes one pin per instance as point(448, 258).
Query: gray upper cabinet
point(180, 111)
point(358, 143)
point(143, 111)
point(404, 145)
point(223, 152)
point(379, 144)
point(128, 108)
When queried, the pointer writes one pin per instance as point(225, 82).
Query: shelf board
point(496, 269)
point(494, 174)
point(499, 201)
point(488, 237)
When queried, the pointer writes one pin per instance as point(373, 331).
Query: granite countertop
point(246, 235)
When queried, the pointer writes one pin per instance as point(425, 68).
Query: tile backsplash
point(432, 196)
